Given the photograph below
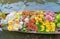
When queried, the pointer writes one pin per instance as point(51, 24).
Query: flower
point(43, 23)
point(52, 23)
point(41, 16)
point(40, 12)
point(42, 28)
point(52, 13)
point(46, 22)
point(31, 13)
point(32, 21)
point(52, 26)
point(47, 25)
point(49, 16)
point(10, 22)
point(32, 26)
point(26, 19)
point(25, 13)
point(38, 19)
point(48, 28)
point(17, 21)
point(19, 13)
point(10, 28)
point(23, 19)
point(49, 13)
point(46, 13)
point(15, 28)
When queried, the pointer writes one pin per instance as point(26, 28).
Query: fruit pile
point(32, 21)
point(57, 20)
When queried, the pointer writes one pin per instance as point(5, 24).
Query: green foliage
point(2, 14)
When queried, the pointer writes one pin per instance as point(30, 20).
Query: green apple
point(58, 25)
point(58, 17)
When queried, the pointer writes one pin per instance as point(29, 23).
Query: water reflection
point(19, 6)
point(58, 1)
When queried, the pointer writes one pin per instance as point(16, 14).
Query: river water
point(44, 5)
